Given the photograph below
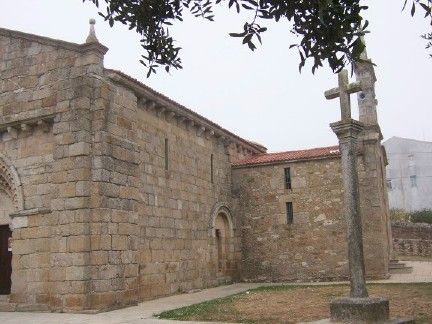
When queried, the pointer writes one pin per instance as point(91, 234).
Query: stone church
point(111, 193)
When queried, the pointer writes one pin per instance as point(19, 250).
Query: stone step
point(401, 270)
point(397, 266)
point(32, 308)
point(7, 307)
point(4, 298)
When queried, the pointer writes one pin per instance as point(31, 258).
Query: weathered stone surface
point(314, 246)
point(111, 225)
point(347, 133)
point(359, 309)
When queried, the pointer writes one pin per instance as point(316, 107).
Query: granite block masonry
point(116, 194)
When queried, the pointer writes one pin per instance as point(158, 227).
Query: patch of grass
point(283, 287)
point(294, 303)
point(207, 310)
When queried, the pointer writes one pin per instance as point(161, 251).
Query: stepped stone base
point(7, 307)
point(359, 309)
point(396, 266)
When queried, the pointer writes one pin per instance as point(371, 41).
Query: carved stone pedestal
point(363, 310)
point(359, 309)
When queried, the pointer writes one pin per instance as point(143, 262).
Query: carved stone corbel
point(12, 132)
point(190, 124)
point(170, 116)
point(209, 133)
point(160, 111)
point(201, 131)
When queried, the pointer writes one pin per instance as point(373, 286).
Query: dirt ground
point(292, 305)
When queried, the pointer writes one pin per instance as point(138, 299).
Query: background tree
point(328, 30)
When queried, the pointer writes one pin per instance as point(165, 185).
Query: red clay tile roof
point(269, 158)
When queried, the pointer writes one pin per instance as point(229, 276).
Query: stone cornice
point(30, 212)
point(166, 108)
point(80, 48)
point(347, 129)
point(14, 126)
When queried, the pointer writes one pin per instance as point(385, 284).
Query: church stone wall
point(314, 246)
point(103, 224)
point(114, 200)
point(177, 246)
point(48, 92)
point(34, 83)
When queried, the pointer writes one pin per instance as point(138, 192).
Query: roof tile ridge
point(305, 150)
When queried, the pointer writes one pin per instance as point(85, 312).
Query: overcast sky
point(258, 95)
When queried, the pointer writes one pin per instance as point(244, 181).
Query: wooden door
point(5, 260)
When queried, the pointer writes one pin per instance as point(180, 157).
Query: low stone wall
point(412, 239)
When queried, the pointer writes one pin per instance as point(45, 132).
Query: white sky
point(258, 95)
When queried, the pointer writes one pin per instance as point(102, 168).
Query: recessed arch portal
point(221, 230)
point(10, 183)
point(11, 200)
point(220, 208)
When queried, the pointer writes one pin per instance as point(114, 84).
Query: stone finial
point(367, 103)
point(363, 54)
point(91, 38)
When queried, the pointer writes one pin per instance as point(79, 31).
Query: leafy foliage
point(399, 215)
point(421, 216)
point(426, 5)
point(328, 30)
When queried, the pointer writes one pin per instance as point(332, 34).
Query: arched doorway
point(11, 201)
point(6, 208)
point(221, 229)
point(222, 238)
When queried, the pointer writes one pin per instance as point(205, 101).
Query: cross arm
point(354, 87)
point(332, 93)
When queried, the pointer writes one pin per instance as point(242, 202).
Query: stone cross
point(343, 92)
point(347, 131)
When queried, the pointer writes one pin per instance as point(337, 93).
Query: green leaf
point(238, 34)
point(247, 38)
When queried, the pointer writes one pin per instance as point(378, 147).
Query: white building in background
point(409, 173)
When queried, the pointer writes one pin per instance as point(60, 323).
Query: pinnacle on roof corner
point(91, 38)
